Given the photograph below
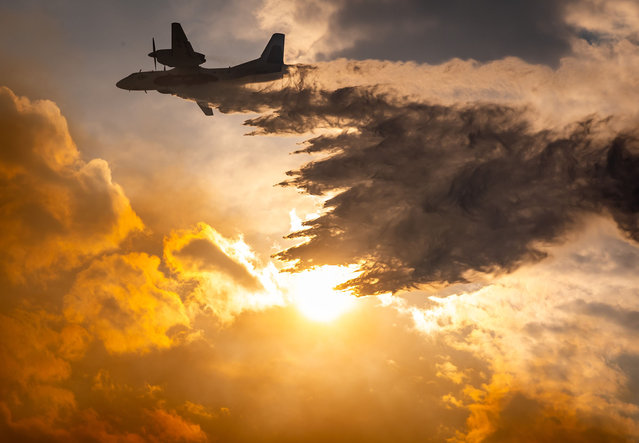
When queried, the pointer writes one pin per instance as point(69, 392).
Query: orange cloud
point(36, 349)
point(170, 426)
point(228, 277)
point(509, 415)
point(203, 249)
point(56, 208)
point(128, 303)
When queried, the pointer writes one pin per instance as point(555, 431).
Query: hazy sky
point(469, 169)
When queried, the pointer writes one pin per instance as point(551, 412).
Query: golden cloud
point(170, 426)
point(552, 339)
point(56, 208)
point(36, 348)
point(228, 276)
point(127, 302)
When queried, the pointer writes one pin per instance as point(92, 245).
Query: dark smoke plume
point(430, 194)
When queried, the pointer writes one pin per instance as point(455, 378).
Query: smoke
point(436, 194)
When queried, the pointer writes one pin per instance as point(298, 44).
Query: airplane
point(187, 72)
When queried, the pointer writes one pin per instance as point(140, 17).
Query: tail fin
point(274, 51)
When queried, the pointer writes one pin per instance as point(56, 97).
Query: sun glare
point(314, 296)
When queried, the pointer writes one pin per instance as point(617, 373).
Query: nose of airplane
point(121, 83)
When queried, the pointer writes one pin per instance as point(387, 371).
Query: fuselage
point(202, 85)
point(168, 81)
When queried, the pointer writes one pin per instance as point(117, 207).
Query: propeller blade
point(155, 59)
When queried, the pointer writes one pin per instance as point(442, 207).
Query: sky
point(426, 231)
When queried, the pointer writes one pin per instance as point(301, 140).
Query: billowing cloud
point(508, 416)
point(227, 275)
point(191, 253)
point(127, 302)
point(553, 335)
point(56, 208)
point(37, 349)
point(170, 426)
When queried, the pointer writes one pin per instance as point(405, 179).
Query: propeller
point(155, 60)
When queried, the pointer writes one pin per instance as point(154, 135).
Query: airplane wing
point(206, 109)
point(182, 53)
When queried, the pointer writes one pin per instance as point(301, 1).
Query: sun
point(314, 296)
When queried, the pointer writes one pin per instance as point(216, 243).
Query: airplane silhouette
point(187, 72)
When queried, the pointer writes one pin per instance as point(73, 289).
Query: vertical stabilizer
point(274, 51)
point(179, 42)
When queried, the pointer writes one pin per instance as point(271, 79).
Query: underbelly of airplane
point(185, 79)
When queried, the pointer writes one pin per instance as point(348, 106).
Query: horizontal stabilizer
point(206, 109)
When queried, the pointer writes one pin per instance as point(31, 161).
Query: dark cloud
point(629, 364)
point(432, 31)
point(626, 318)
